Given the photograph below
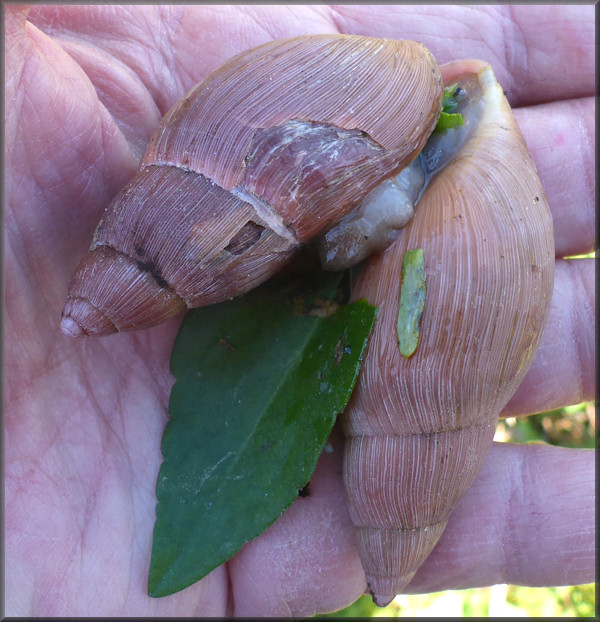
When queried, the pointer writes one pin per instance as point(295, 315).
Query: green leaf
point(447, 121)
point(259, 382)
point(412, 301)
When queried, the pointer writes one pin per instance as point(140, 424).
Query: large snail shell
point(419, 428)
point(273, 148)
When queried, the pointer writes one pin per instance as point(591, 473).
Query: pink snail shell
point(274, 147)
point(419, 429)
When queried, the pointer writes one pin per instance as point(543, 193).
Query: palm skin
point(85, 88)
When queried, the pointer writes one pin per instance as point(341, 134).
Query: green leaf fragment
point(259, 382)
point(448, 119)
point(412, 301)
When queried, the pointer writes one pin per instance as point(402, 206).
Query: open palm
point(85, 88)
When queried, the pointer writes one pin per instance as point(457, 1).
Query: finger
point(563, 370)
point(528, 520)
point(561, 139)
point(169, 49)
point(306, 562)
point(563, 149)
point(65, 159)
point(539, 53)
point(123, 57)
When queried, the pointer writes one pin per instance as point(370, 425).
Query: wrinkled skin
point(85, 88)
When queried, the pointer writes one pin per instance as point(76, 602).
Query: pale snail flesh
point(418, 429)
point(271, 150)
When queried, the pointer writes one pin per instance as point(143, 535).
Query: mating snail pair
point(329, 141)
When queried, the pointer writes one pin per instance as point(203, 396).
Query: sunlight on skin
point(85, 88)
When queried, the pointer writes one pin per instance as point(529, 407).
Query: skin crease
point(85, 87)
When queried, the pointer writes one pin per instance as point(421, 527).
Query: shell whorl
point(419, 428)
point(279, 144)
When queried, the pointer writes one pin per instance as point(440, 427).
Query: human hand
point(85, 88)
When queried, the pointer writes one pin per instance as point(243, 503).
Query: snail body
point(274, 148)
point(418, 429)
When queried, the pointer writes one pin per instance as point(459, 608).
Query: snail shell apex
point(277, 145)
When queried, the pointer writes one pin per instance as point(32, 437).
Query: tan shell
point(274, 147)
point(419, 429)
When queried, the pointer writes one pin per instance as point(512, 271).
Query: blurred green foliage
point(497, 601)
point(573, 426)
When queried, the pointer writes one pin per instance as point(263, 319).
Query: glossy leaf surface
point(259, 382)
